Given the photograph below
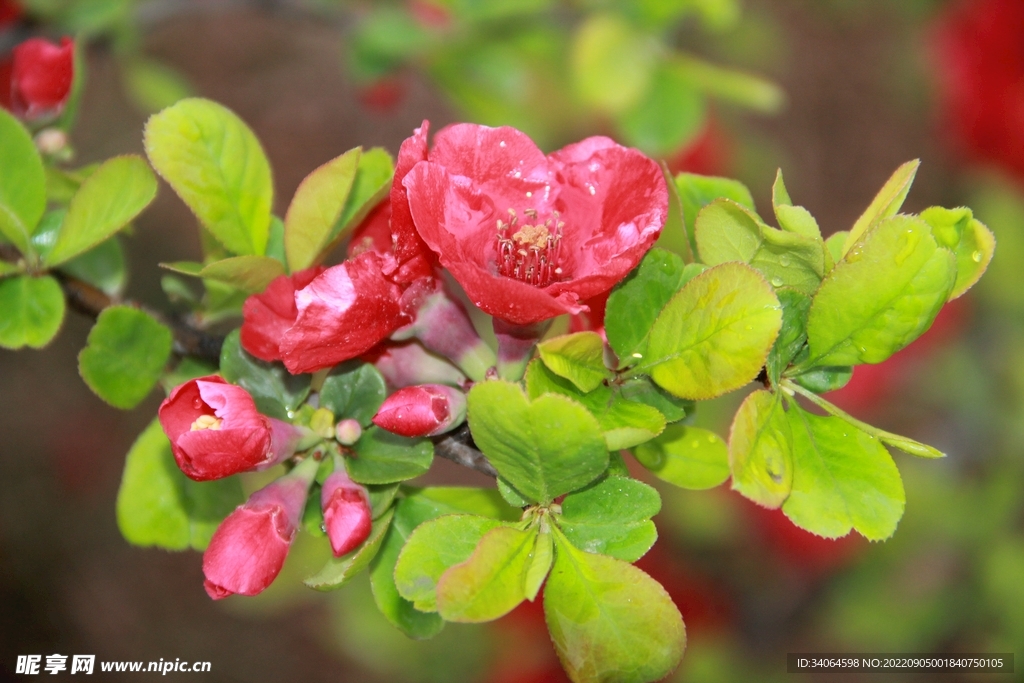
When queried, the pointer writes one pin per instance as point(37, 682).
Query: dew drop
point(529, 194)
point(977, 256)
point(695, 443)
point(197, 403)
point(711, 438)
point(776, 282)
point(784, 260)
point(502, 144)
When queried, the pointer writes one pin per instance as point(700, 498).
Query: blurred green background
point(836, 92)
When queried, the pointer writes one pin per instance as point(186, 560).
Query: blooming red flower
point(41, 77)
point(977, 50)
point(249, 548)
point(267, 316)
point(216, 431)
point(424, 410)
point(346, 508)
point(528, 236)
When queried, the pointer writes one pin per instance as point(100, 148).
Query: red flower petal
point(342, 313)
point(413, 257)
point(267, 316)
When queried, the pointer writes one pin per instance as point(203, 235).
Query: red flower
point(248, 549)
point(267, 316)
point(319, 318)
point(216, 431)
point(346, 508)
point(425, 410)
point(530, 236)
point(977, 49)
point(41, 77)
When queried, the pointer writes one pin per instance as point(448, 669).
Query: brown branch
point(456, 447)
point(90, 301)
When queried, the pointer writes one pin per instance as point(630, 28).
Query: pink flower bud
point(249, 548)
point(346, 507)
point(41, 78)
point(216, 431)
point(347, 432)
point(425, 410)
point(405, 364)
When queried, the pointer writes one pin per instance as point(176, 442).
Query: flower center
point(206, 422)
point(529, 252)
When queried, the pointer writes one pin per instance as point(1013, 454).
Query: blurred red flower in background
point(10, 12)
point(978, 48)
point(41, 78)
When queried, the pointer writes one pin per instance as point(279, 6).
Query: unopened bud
point(346, 508)
point(322, 423)
point(51, 141)
point(424, 410)
point(347, 432)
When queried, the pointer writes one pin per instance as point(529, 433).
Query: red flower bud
point(347, 432)
point(425, 410)
point(529, 237)
point(216, 431)
point(347, 516)
point(248, 549)
point(403, 365)
point(41, 78)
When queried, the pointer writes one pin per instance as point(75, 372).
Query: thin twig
point(455, 447)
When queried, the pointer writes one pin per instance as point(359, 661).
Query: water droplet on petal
point(501, 144)
point(197, 403)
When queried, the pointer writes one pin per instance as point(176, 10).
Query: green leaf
point(883, 295)
point(510, 495)
point(274, 390)
point(339, 570)
point(577, 357)
point(384, 458)
point(668, 117)
point(112, 196)
point(792, 334)
point(399, 611)
point(316, 207)
point(610, 621)
point(33, 309)
point(792, 218)
point(124, 356)
point(22, 183)
point(492, 581)
point(544, 448)
point(431, 550)
point(676, 236)
point(688, 457)
point(973, 243)
point(643, 390)
point(451, 500)
point(760, 450)
point(251, 274)
point(834, 245)
point(354, 392)
point(216, 165)
point(731, 85)
point(624, 423)
point(612, 63)
point(153, 85)
point(886, 203)
point(541, 560)
point(714, 335)
point(697, 191)
point(612, 517)
point(727, 231)
point(102, 266)
point(635, 303)
point(7, 269)
point(842, 479)
point(372, 184)
point(822, 380)
point(157, 505)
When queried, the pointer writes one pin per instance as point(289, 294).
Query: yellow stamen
point(532, 236)
point(206, 422)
